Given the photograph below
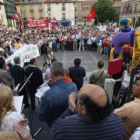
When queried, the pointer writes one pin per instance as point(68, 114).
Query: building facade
point(10, 9)
point(117, 5)
point(131, 9)
point(82, 9)
point(30, 8)
point(62, 10)
point(3, 18)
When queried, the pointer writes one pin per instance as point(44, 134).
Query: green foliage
point(105, 10)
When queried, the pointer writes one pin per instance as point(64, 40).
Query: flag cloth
point(55, 21)
point(53, 26)
point(48, 22)
point(91, 15)
point(20, 25)
point(16, 16)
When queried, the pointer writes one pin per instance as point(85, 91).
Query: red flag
point(53, 26)
point(48, 21)
point(55, 21)
point(20, 26)
point(16, 16)
point(91, 15)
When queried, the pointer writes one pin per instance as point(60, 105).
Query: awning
point(65, 21)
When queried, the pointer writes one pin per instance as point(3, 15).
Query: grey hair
point(17, 60)
point(57, 68)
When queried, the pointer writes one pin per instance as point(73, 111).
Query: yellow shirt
point(17, 46)
point(130, 114)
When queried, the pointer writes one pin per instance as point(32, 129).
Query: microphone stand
point(31, 118)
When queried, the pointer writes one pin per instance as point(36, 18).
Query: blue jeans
point(126, 57)
point(54, 47)
point(106, 50)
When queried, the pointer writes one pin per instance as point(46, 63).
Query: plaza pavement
point(89, 62)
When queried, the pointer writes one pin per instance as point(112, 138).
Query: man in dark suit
point(35, 80)
point(17, 71)
point(19, 76)
point(77, 73)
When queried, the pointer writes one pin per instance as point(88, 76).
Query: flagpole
point(97, 20)
point(20, 19)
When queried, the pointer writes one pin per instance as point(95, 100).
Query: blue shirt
point(77, 127)
point(55, 101)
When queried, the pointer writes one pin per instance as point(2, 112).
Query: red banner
point(37, 23)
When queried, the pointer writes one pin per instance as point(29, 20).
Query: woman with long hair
point(9, 117)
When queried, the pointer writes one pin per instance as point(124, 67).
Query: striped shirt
point(77, 127)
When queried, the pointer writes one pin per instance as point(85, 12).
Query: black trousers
point(32, 98)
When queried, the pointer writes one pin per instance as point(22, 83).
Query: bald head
point(96, 93)
point(93, 103)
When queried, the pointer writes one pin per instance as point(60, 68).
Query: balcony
point(23, 10)
point(32, 17)
point(136, 11)
point(31, 1)
point(63, 8)
point(40, 9)
point(48, 9)
point(41, 16)
point(63, 18)
point(31, 10)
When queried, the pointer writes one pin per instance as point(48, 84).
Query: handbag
point(114, 65)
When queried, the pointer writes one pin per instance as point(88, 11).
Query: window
point(32, 15)
point(49, 15)
point(136, 7)
point(40, 8)
point(23, 9)
point(24, 15)
point(31, 9)
point(49, 7)
point(41, 16)
point(63, 16)
point(63, 7)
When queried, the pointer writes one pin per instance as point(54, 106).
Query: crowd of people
point(71, 110)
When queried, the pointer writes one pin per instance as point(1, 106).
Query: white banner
point(102, 28)
point(25, 53)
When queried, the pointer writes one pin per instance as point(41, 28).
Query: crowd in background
point(92, 112)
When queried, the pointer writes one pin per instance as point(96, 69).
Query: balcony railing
point(40, 16)
point(23, 10)
point(31, 10)
point(32, 17)
point(40, 9)
point(31, 1)
point(131, 12)
point(63, 8)
point(48, 9)
point(63, 18)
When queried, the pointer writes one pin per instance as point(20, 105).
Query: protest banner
point(102, 28)
point(25, 53)
point(37, 23)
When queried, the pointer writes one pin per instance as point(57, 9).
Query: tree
point(105, 10)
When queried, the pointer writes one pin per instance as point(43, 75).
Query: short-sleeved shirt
point(130, 114)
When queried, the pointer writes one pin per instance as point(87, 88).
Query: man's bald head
point(96, 93)
point(93, 103)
